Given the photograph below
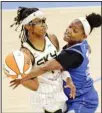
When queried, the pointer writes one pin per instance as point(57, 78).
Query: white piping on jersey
point(28, 47)
point(75, 45)
point(25, 44)
point(47, 39)
point(76, 51)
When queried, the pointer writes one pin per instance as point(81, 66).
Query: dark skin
point(38, 71)
point(36, 34)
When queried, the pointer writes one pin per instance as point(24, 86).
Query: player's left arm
point(48, 66)
point(64, 60)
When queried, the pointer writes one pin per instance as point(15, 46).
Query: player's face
point(38, 26)
point(74, 32)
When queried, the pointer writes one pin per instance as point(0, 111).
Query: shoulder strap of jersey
point(26, 45)
point(49, 40)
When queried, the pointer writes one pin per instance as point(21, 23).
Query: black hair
point(95, 20)
point(22, 13)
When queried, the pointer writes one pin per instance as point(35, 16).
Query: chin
point(42, 34)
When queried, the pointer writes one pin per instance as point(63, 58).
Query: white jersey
point(50, 83)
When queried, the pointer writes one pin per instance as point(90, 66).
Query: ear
point(84, 36)
point(27, 27)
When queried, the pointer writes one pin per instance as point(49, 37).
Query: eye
point(75, 30)
point(44, 20)
point(34, 23)
point(70, 26)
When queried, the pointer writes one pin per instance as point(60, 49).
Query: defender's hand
point(70, 84)
point(15, 83)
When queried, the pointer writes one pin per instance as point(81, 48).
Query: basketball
point(17, 64)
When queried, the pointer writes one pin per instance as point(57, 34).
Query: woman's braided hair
point(22, 13)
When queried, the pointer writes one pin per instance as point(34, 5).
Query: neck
point(73, 43)
point(34, 37)
point(37, 41)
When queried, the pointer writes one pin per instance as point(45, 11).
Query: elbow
point(35, 88)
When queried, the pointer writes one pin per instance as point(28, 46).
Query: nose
point(69, 30)
point(44, 25)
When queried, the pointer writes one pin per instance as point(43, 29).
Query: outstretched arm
point(31, 84)
point(48, 66)
point(64, 60)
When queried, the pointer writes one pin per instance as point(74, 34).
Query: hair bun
point(95, 20)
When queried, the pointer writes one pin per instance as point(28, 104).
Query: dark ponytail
point(95, 20)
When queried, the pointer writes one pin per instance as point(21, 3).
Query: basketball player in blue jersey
point(74, 58)
point(48, 95)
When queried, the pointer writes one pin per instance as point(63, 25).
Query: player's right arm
point(33, 83)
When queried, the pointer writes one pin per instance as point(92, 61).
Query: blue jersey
point(81, 76)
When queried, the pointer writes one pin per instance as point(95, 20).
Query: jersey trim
point(52, 42)
point(36, 48)
point(77, 44)
point(76, 51)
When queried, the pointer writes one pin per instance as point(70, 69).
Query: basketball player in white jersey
point(48, 95)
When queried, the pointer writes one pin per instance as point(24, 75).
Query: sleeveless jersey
point(50, 83)
point(81, 76)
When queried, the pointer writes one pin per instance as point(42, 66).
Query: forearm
point(34, 73)
point(31, 84)
point(48, 66)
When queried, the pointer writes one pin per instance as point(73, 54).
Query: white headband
point(86, 25)
point(37, 14)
